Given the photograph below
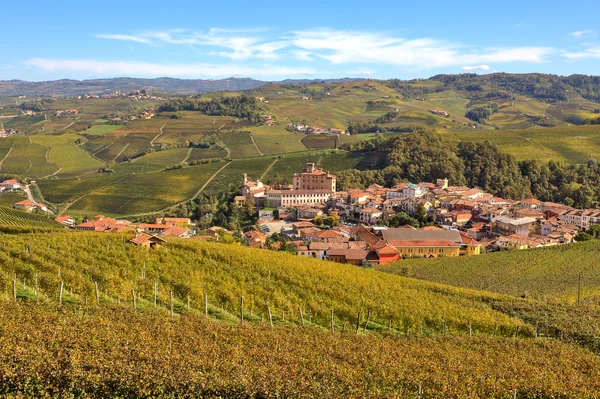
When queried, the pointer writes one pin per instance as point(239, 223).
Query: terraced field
point(570, 144)
point(231, 176)
point(277, 140)
point(240, 144)
point(145, 192)
point(26, 158)
point(15, 218)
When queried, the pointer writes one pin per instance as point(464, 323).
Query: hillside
point(118, 353)
point(69, 87)
point(117, 321)
point(12, 220)
point(226, 273)
point(547, 274)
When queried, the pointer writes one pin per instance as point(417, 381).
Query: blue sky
point(306, 39)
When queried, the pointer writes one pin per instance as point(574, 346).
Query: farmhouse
point(65, 220)
point(147, 240)
point(30, 206)
point(11, 184)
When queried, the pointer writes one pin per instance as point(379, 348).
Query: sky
point(270, 40)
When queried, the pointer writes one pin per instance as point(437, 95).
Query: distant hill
point(68, 87)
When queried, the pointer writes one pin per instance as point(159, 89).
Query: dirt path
point(29, 195)
point(158, 135)
point(269, 168)
point(188, 155)
point(68, 126)
point(209, 180)
point(120, 152)
point(255, 146)
point(7, 154)
point(62, 212)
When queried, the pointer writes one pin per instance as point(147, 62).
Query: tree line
point(243, 107)
point(424, 156)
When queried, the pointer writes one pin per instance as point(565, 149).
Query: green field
point(12, 218)
point(231, 176)
point(101, 130)
point(9, 198)
point(277, 140)
point(27, 158)
point(546, 274)
point(240, 144)
point(144, 192)
point(206, 153)
point(161, 159)
point(569, 144)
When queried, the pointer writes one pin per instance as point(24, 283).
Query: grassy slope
point(227, 272)
point(549, 273)
point(119, 353)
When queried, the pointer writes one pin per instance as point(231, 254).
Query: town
point(366, 227)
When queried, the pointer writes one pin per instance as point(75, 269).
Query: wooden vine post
point(241, 309)
point(97, 293)
point(358, 323)
point(270, 316)
point(205, 304)
point(15, 289)
point(368, 318)
point(332, 322)
point(171, 301)
point(301, 315)
point(134, 301)
point(60, 293)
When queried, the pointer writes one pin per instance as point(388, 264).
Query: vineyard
point(15, 220)
point(91, 315)
point(549, 274)
point(185, 270)
point(93, 352)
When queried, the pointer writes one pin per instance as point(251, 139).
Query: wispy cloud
point(583, 33)
point(468, 68)
point(592, 52)
point(341, 47)
point(338, 47)
point(147, 69)
point(362, 72)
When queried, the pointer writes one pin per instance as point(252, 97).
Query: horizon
point(297, 42)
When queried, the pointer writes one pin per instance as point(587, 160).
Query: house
point(387, 253)
point(348, 256)
point(11, 184)
point(506, 226)
point(105, 225)
point(30, 206)
point(65, 221)
point(255, 236)
point(182, 222)
point(239, 201)
point(296, 227)
point(147, 240)
point(176, 231)
point(154, 227)
point(370, 215)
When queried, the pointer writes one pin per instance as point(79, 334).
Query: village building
point(30, 206)
point(65, 220)
point(312, 178)
point(147, 240)
point(11, 184)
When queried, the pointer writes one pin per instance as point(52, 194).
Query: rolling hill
point(117, 323)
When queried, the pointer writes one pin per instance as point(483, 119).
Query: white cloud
point(127, 38)
point(592, 52)
point(302, 55)
point(583, 33)
point(147, 69)
point(239, 43)
point(475, 68)
point(362, 72)
point(338, 47)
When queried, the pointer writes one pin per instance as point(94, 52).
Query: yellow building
point(312, 178)
point(426, 248)
point(431, 241)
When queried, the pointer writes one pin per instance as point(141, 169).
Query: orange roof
point(387, 250)
point(370, 210)
point(175, 231)
point(423, 243)
point(155, 226)
point(140, 238)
